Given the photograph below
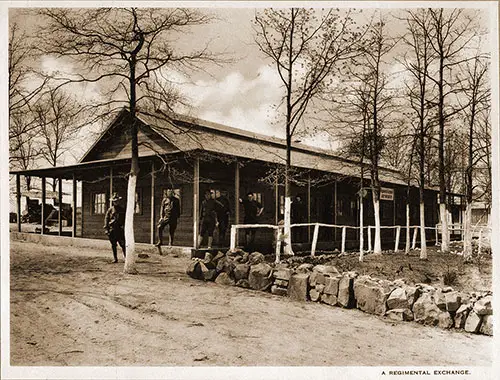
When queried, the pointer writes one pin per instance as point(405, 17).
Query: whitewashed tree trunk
point(287, 230)
point(467, 253)
point(445, 233)
point(361, 234)
point(129, 226)
point(377, 246)
point(423, 241)
point(408, 232)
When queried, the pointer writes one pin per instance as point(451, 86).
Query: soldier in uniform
point(208, 217)
point(169, 213)
point(223, 212)
point(114, 222)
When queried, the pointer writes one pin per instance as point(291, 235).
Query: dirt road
point(71, 306)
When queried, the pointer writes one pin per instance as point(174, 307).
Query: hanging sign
point(386, 194)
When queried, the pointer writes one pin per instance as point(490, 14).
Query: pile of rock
point(396, 300)
point(234, 268)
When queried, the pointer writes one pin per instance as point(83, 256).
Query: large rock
point(194, 270)
point(453, 301)
point(412, 292)
point(210, 275)
point(282, 274)
point(400, 314)
point(370, 295)
point(326, 269)
point(256, 258)
point(260, 277)
point(487, 325)
point(473, 322)
point(425, 310)
point(241, 271)
point(483, 306)
point(282, 283)
point(317, 278)
point(304, 268)
point(332, 285)
point(444, 320)
point(225, 264)
point(461, 315)
point(398, 299)
point(298, 286)
point(345, 296)
point(278, 290)
point(440, 300)
point(329, 299)
point(314, 294)
point(224, 279)
point(243, 283)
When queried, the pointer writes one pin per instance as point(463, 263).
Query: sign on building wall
point(386, 194)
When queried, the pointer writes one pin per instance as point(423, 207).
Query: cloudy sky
point(241, 94)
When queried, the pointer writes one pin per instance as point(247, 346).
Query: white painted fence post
point(414, 243)
point(369, 238)
point(398, 232)
point(315, 239)
point(232, 244)
point(343, 240)
point(437, 235)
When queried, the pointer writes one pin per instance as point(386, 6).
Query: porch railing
point(278, 231)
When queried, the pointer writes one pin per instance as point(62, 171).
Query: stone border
point(396, 300)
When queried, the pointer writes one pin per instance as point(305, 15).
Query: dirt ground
point(71, 306)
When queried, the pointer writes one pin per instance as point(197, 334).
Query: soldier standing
point(223, 212)
point(114, 222)
point(253, 210)
point(169, 213)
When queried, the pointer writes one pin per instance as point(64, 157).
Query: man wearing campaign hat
point(114, 222)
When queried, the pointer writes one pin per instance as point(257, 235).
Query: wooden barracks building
point(191, 155)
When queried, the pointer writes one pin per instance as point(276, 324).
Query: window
point(138, 201)
point(99, 203)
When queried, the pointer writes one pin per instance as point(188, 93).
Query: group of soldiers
point(214, 214)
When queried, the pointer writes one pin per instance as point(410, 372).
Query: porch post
point(18, 200)
point(110, 184)
point(196, 197)
point(152, 240)
point(276, 199)
point(335, 210)
point(59, 199)
point(309, 207)
point(43, 216)
point(236, 197)
point(73, 222)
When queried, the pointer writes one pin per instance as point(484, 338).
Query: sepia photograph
point(255, 190)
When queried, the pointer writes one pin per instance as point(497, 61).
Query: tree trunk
point(423, 241)
point(408, 234)
point(377, 247)
point(132, 179)
point(445, 236)
point(468, 232)
point(361, 225)
point(129, 225)
point(287, 230)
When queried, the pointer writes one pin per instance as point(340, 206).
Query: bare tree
point(58, 117)
point(369, 71)
point(450, 33)
point(122, 49)
point(306, 46)
point(476, 93)
point(420, 95)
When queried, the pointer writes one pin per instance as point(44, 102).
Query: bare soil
point(72, 306)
